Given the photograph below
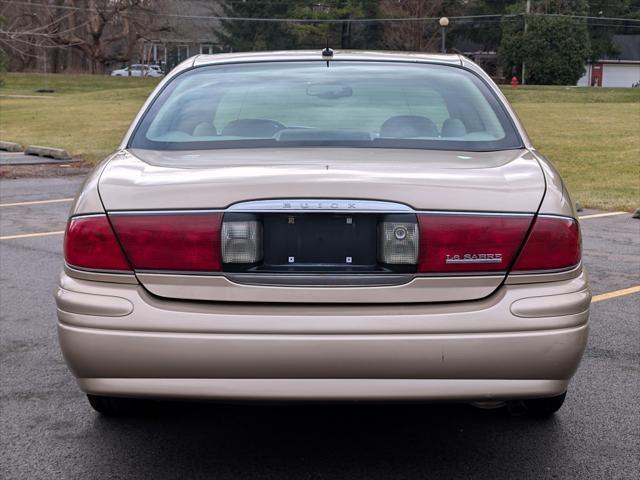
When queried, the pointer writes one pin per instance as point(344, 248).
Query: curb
point(10, 146)
point(57, 153)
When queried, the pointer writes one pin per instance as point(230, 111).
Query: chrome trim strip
point(88, 215)
point(319, 205)
point(385, 207)
point(542, 276)
point(319, 280)
point(165, 212)
point(467, 274)
point(547, 271)
point(221, 289)
point(551, 215)
point(187, 273)
point(475, 214)
point(101, 276)
point(211, 274)
point(97, 270)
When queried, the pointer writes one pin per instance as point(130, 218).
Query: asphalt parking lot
point(48, 430)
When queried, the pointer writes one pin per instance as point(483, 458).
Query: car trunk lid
point(330, 203)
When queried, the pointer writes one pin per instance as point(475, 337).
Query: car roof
point(297, 55)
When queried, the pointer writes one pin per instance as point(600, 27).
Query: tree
point(601, 32)
point(411, 35)
point(344, 34)
point(102, 31)
point(242, 35)
point(253, 35)
point(480, 31)
point(554, 49)
point(107, 22)
point(4, 59)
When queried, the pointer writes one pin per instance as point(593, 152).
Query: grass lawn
point(87, 114)
point(592, 135)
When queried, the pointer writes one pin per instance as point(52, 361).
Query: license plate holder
point(305, 240)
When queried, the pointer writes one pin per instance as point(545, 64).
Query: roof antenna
point(327, 53)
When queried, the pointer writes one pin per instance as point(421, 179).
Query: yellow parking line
point(599, 215)
point(36, 202)
point(617, 293)
point(30, 235)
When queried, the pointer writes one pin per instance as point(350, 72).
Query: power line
point(41, 34)
point(14, 34)
point(585, 17)
point(256, 19)
point(317, 20)
point(40, 45)
point(50, 24)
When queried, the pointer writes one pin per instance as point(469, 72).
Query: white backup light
point(241, 241)
point(398, 243)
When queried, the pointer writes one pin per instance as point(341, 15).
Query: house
point(177, 39)
point(620, 70)
point(484, 56)
point(169, 52)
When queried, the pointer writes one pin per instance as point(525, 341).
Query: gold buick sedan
point(324, 226)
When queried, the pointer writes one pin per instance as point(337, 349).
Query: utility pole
point(526, 17)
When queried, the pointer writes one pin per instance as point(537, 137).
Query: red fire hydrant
point(514, 82)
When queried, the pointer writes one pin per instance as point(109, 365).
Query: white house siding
point(620, 75)
point(613, 75)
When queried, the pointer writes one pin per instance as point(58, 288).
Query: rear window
point(359, 104)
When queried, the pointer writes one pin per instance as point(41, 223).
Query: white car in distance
point(138, 70)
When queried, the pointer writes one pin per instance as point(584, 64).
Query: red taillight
point(554, 243)
point(90, 243)
point(469, 243)
point(179, 242)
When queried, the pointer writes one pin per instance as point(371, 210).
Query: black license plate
point(320, 239)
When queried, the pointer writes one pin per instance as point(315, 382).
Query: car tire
point(116, 406)
point(537, 407)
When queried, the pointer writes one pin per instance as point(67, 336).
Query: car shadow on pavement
point(334, 441)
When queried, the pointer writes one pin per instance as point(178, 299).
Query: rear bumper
point(119, 341)
point(428, 367)
point(298, 389)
